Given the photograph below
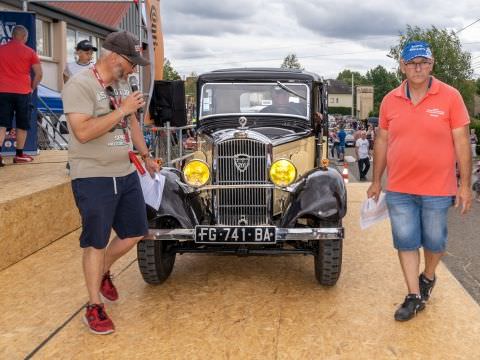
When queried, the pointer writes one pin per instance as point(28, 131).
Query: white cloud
point(326, 36)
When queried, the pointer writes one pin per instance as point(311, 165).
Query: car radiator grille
point(240, 162)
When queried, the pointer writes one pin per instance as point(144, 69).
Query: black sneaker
point(2, 164)
point(413, 303)
point(426, 286)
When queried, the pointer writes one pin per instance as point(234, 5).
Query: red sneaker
point(107, 289)
point(24, 158)
point(97, 320)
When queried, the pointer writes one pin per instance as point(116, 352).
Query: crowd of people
point(364, 139)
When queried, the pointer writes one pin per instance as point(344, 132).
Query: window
point(74, 37)
point(44, 37)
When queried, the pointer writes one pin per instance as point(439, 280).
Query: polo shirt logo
point(435, 112)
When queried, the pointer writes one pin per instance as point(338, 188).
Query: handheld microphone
point(133, 81)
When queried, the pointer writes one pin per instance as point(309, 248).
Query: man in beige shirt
point(101, 118)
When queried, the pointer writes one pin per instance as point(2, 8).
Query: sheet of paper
point(152, 189)
point(373, 212)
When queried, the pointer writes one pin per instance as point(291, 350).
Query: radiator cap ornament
point(243, 122)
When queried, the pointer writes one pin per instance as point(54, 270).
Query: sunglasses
point(132, 65)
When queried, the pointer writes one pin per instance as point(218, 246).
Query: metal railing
point(167, 143)
point(49, 127)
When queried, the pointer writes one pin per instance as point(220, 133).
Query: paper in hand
point(152, 189)
point(373, 211)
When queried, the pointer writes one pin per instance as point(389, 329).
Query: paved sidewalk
point(217, 307)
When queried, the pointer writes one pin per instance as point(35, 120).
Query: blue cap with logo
point(415, 49)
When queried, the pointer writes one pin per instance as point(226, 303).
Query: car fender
point(177, 203)
point(321, 193)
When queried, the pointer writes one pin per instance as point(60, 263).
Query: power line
point(467, 26)
point(306, 45)
point(277, 59)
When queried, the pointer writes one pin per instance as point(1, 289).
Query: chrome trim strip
point(281, 234)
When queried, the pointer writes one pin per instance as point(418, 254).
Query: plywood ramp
point(216, 307)
point(36, 206)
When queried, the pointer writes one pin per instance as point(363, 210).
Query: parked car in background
point(350, 138)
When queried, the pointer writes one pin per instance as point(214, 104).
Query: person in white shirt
point(362, 150)
point(84, 52)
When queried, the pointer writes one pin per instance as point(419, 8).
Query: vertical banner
point(155, 43)
point(8, 20)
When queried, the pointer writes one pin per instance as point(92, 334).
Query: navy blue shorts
point(105, 203)
point(18, 105)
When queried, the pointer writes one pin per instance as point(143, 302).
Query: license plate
point(235, 235)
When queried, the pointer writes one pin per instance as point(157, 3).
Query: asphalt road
point(463, 255)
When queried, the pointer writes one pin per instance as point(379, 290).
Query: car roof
point(257, 74)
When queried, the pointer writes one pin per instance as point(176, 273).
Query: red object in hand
point(134, 160)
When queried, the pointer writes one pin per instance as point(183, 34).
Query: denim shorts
point(105, 203)
point(418, 220)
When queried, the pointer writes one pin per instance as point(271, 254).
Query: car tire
point(328, 259)
point(156, 258)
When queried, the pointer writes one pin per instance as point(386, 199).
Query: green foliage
point(452, 64)
point(291, 62)
point(191, 85)
point(169, 73)
point(383, 82)
point(340, 110)
point(477, 85)
point(346, 76)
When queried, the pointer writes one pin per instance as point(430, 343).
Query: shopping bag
point(373, 211)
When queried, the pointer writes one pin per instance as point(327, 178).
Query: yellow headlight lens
point(283, 172)
point(196, 173)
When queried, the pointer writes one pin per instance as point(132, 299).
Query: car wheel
point(156, 259)
point(328, 259)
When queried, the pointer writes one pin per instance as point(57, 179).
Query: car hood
point(274, 135)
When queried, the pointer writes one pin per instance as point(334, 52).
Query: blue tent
point(51, 98)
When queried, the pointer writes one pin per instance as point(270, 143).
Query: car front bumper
point(281, 234)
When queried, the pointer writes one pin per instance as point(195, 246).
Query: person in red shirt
point(423, 132)
point(17, 60)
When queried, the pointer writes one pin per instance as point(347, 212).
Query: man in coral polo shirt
point(16, 86)
point(423, 131)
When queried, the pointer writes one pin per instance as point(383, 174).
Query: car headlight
point(283, 172)
point(196, 173)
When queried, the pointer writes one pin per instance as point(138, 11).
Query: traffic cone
point(345, 172)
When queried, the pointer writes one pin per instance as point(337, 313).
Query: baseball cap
point(415, 49)
point(126, 44)
point(85, 45)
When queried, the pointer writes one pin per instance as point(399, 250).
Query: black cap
point(85, 45)
point(126, 44)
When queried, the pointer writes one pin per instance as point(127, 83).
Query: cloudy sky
point(327, 36)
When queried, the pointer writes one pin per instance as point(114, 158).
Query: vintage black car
point(260, 182)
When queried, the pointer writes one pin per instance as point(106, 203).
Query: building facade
point(340, 99)
point(364, 101)
point(61, 25)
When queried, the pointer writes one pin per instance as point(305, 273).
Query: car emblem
point(242, 121)
point(242, 161)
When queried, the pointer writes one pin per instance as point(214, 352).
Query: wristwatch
point(145, 156)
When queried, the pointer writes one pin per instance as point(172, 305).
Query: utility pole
point(353, 94)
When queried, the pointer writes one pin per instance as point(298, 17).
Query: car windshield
point(286, 99)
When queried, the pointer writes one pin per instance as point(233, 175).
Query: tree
point(477, 84)
point(169, 73)
point(383, 82)
point(191, 85)
point(291, 62)
point(452, 64)
point(346, 76)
